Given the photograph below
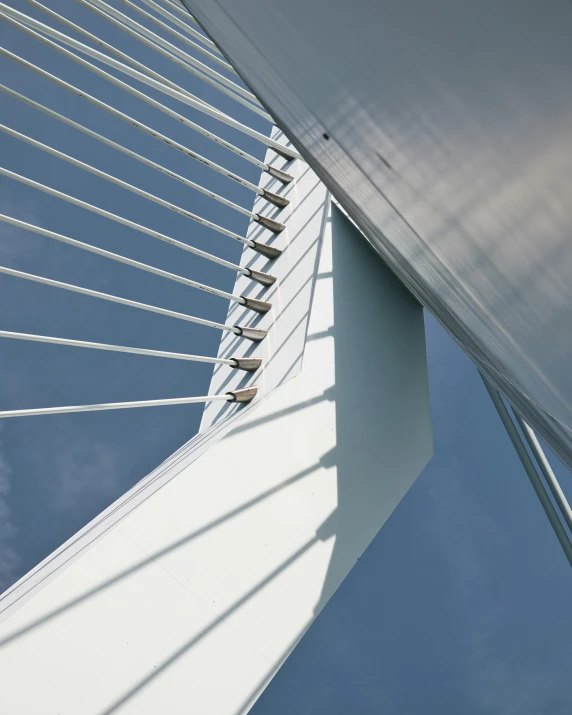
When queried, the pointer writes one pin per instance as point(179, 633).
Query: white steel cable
point(126, 22)
point(126, 87)
point(143, 127)
point(116, 299)
point(125, 185)
point(102, 43)
point(546, 469)
point(163, 25)
point(166, 53)
point(118, 219)
point(115, 348)
point(114, 406)
point(27, 24)
point(166, 86)
point(119, 258)
point(182, 24)
point(142, 67)
point(178, 7)
point(125, 150)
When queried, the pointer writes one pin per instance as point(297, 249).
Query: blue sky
point(59, 472)
point(461, 602)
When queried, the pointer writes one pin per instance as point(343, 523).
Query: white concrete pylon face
point(305, 219)
point(191, 601)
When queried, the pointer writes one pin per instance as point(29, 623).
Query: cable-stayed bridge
point(189, 592)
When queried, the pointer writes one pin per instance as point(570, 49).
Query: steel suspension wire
point(216, 114)
point(235, 396)
point(182, 24)
point(112, 348)
point(258, 306)
point(143, 127)
point(126, 151)
point(126, 22)
point(122, 62)
point(26, 24)
point(179, 7)
point(184, 64)
point(129, 187)
point(135, 92)
point(119, 258)
point(118, 219)
point(530, 470)
point(237, 330)
point(280, 175)
point(179, 35)
point(248, 364)
point(143, 67)
point(546, 469)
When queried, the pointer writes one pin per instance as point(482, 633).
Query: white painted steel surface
point(188, 593)
point(444, 129)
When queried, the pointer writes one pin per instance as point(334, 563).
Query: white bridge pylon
point(189, 592)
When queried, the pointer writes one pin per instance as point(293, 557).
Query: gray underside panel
point(445, 131)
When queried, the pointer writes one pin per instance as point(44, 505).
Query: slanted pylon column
point(188, 594)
